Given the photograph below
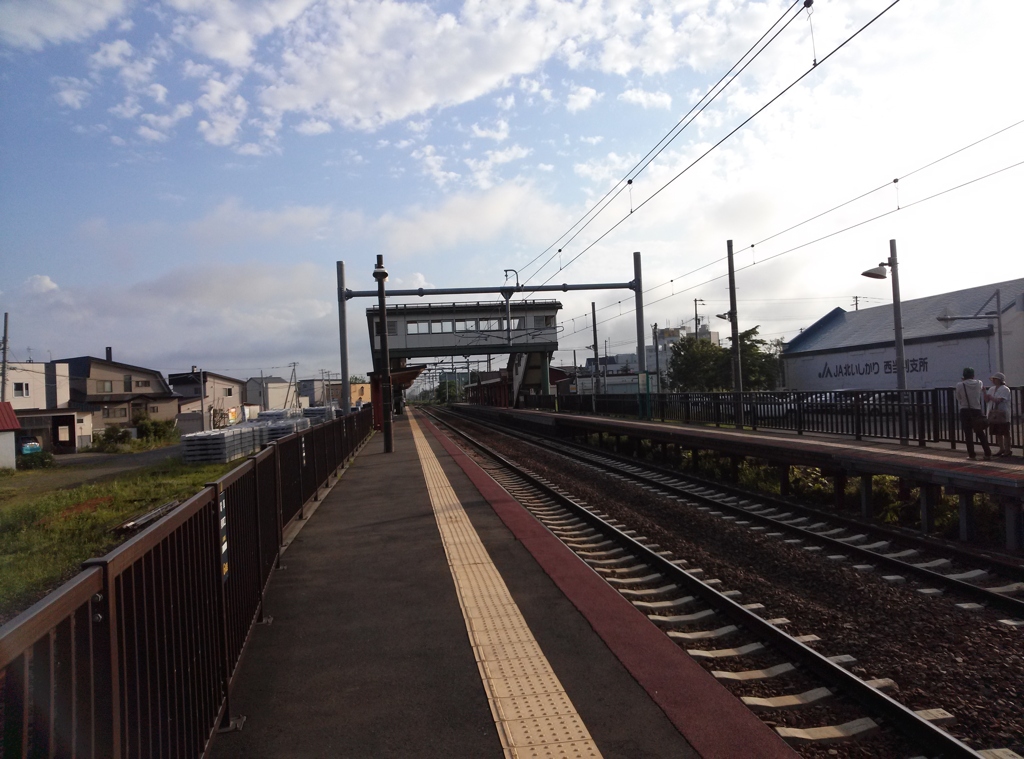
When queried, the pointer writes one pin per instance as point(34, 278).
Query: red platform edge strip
point(714, 721)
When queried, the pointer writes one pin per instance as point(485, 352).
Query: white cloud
point(231, 223)
point(595, 140)
point(71, 92)
point(33, 24)
point(152, 135)
point(40, 283)
point(433, 165)
point(112, 55)
point(498, 133)
point(226, 110)
point(506, 103)
point(581, 98)
point(419, 127)
point(605, 169)
point(165, 122)
point(158, 92)
point(483, 169)
point(193, 70)
point(313, 127)
point(510, 210)
point(228, 31)
point(128, 108)
point(647, 99)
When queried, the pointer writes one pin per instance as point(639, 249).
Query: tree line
point(701, 366)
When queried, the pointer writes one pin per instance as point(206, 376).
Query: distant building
point(212, 403)
point(273, 393)
point(33, 385)
point(107, 393)
point(857, 350)
point(9, 428)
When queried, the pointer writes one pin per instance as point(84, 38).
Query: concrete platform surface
point(368, 653)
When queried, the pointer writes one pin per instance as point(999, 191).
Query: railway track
point(717, 627)
point(981, 581)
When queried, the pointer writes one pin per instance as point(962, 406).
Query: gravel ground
point(938, 655)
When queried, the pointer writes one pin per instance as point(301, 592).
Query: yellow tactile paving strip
point(532, 712)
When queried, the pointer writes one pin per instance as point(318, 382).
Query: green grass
point(44, 538)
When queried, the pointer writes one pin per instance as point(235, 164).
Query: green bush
point(113, 440)
point(151, 430)
point(40, 460)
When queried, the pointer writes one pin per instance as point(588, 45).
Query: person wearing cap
point(998, 397)
point(970, 395)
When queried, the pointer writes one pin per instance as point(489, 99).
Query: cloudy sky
point(179, 177)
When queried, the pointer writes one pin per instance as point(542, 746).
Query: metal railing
point(923, 416)
point(135, 656)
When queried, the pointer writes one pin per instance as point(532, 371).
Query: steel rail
point(928, 736)
point(1000, 601)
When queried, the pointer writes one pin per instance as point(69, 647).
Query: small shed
point(9, 427)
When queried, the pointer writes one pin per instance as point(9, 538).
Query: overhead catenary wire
point(843, 204)
point(667, 139)
point(737, 128)
point(817, 239)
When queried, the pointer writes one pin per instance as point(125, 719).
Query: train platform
point(421, 611)
point(931, 463)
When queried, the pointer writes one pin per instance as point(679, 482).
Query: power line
point(834, 208)
point(665, 141)
point(816, 240)
point(740, 126)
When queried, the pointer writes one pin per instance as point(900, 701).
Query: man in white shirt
point(970, 395)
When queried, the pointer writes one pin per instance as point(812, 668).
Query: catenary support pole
point(346, 389)
point(597, 360)
point(737, 367)
point(901, 365)
point(641, 332)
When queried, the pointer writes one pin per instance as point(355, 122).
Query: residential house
point(32, 385)
point(40, 394)
point(9, 428)
point(273, 393)
point(208, 400)
point(115, 393)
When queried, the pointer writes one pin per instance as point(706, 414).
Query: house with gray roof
point(856, 350)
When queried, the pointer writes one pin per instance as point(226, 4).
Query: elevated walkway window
point(465, 325)
point(417, 328)
point(440, 327)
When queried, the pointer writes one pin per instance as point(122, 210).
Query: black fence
point(135, 656)
point(923, 416)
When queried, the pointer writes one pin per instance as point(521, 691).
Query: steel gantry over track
point(509, 327)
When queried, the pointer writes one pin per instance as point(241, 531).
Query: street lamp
point(879, 272)
point(381, 274)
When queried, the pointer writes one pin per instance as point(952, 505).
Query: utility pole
point(3, 368)
point(202, 394)
point(696, 319)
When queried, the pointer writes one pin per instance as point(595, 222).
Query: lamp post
point(897, 316)
point(381, 274)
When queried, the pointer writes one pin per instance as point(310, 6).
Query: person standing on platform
point(970, 395)
point(998, 397)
